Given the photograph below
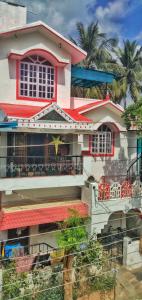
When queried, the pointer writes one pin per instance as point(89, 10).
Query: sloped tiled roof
point(19, 111)
point(96, 104)
point(17, 219)
point(27, 111)
point(76, 116)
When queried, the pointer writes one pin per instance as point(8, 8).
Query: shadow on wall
point(116, 169)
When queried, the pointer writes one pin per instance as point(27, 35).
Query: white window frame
point(37, 79)
point(102, 143)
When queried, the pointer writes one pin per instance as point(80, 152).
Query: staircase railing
point(40, 248)
point(135, 169)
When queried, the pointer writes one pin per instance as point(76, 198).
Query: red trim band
point(41, 52)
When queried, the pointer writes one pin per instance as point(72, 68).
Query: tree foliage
point(95, 43)
point(128, 67)
point(72, 237)
point(14, 283)
point(103, 54)
point(73, 233)
point(133, 115)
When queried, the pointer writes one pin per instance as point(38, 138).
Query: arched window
point(102, 141)
point(37, 78)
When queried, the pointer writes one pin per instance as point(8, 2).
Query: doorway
point(19, 236)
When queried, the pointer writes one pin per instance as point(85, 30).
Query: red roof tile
point(27, 111)
point(9, 220)
point(76, 116)
point(19, 111)
point(90, 105)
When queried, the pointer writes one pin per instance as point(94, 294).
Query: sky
point(121, 18)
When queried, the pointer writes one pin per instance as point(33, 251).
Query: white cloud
point(61, 14)
point(139, 36)
point(108, 15)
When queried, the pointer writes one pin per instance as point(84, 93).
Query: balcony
point(36, 166)
point(56, 171)
point(121, 195)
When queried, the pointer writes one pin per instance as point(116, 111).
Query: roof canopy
point(22, 218)
point(88, 77)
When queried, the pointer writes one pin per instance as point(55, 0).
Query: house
point(57, 141)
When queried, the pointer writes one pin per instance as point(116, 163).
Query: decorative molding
point(50, 108)
point(56, 61)
point(55, 126)
point(116, 190)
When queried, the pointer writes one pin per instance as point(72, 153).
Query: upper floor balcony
point(33, 161)
point(39, 172)
point(31, 166)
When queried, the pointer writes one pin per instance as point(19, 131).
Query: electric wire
point(72, 228)
point(76, 253)
point(113, 271)
point(82, 242)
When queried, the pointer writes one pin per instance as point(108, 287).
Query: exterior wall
point(40, 182)
point(3, 235)
point(106, 114)
point(77, 102)
point(116, 219)
point(32, 41)
point(132, 257)
point(101, 212)
point(132, 145)
point(49, 237)
point(116, 164)
point(108, 166)
point(64, 86)
point(11, 16)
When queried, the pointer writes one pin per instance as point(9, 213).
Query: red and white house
point(59, 141)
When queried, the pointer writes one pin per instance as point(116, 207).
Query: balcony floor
point(52, 203)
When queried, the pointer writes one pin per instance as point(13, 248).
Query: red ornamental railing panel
point(104, 191)
point(126, 189)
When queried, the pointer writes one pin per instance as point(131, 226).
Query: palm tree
point(98, 48)
point(95, 43)
point(128, 67)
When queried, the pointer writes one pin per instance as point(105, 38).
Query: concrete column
point(126, 242)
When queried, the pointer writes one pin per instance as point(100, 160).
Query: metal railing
point(40, 248)
point(135, 169)
point(29, 166)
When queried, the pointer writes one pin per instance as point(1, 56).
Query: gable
point(106, 115)
point(101, 103)
point(53, 116)
point(52, 112)
point(35, 41)
point(77, 54)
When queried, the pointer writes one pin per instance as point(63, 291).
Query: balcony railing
point(119, 190)
point(29, 166)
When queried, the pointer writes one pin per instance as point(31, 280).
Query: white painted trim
point(116, 106)
point(58, 125)
point(26, 183)
point(61, 125)
point(23, 52)
point(50, 108)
